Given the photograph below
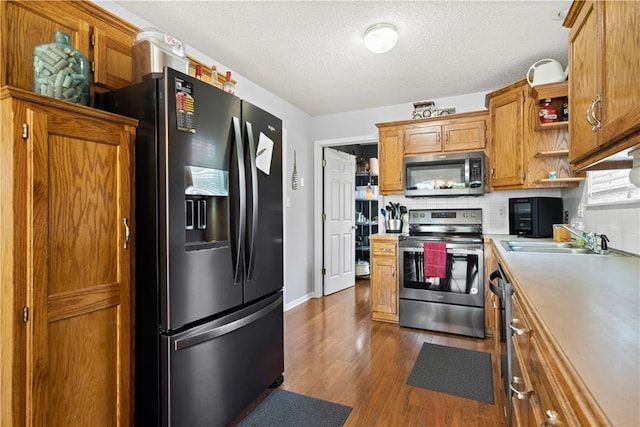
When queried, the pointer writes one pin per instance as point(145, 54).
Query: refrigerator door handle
point(216, 332)
point(254, 196)
point(243, 199)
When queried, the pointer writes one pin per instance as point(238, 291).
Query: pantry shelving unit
point(367, 214)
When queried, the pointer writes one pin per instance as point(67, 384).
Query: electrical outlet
point(580, 212)
point(501, 211)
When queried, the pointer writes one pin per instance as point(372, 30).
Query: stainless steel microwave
point(444, 174)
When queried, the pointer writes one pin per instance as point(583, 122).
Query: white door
point(339, 224)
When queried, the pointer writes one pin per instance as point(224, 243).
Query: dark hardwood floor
point(335, 352)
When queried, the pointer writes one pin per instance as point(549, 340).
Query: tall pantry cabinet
point(65, 306)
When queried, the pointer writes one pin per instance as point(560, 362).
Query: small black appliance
point(534, 216)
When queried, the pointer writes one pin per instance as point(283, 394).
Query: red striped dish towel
point(435, 259)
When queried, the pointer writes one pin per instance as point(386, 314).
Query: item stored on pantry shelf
point(548, 113)
point(61, 71)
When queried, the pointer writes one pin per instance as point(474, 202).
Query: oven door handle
point(458, 251)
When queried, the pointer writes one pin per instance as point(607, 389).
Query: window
point(611, 186)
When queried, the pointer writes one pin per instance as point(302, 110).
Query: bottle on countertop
point(198, 71)
point(548, 113)
point(228, 85)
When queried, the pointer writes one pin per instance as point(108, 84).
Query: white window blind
point(611, 186)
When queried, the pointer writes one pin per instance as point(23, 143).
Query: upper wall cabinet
point(604, 96)
point(460, 132)
point(523, 151)
point(507, 121)
point(103, 38)
point(391, 157)
point(457, 132)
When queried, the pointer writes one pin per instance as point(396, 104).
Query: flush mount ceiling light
point(380, 38)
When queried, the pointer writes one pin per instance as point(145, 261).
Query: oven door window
point(461, 273)
point(462, 283)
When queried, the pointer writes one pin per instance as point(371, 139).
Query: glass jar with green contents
point(61, 71)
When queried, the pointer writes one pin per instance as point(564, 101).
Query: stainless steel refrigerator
point(208, 245)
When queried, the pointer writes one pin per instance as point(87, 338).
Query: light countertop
point(591, 305)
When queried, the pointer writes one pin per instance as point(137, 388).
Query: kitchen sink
point(547, 247)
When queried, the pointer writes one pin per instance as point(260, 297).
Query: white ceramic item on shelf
point(546, 71)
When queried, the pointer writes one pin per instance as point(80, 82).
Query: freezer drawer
point(215, 370)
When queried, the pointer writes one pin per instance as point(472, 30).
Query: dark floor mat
point(285, 408)
point(456, 371)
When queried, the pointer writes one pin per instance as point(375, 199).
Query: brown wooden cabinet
point(544, 384)
point(522, 150)
point(490, 300)
point(604, 57)
point(384, 278)
point(538, 395)
point(391, 154)
point(463, 132)
point(507, 131)
point(102, 37)
point(66, 281)
point(454, 133)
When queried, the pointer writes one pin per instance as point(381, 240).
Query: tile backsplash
point(495, 205)
point(621, 223)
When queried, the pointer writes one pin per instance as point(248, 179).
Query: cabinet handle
point(552, 419)
point(598, 123)
point(127, 232)
point(513, 325)
point(446, 137)
point(520, 394)
point(438, 137)
point(493, 173)
point(588, 116)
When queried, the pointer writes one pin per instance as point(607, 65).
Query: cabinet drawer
point(541, 394)
point(383, 248)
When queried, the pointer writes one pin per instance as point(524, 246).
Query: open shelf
point(554, 125)
point(560, 180)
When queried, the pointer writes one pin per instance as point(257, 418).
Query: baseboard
point(298, 301)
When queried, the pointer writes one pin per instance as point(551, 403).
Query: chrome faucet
point(596, 242)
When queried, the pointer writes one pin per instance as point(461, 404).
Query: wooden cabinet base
point(384, 278)
point(66, 280)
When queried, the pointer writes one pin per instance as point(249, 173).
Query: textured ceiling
point(311, 53)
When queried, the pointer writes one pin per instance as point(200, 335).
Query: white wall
point(621, 222)
point(362, 122)
point(298, 230)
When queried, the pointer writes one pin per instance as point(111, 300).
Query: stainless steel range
point(453, 299)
